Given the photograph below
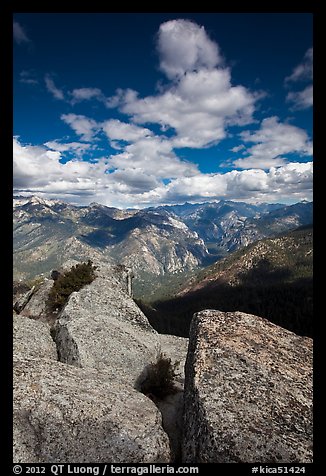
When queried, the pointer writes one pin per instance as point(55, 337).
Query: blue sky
point(135, 110)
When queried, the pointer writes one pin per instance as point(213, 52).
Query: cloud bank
point(195, 108)
point(39, 170)
point(272, 142)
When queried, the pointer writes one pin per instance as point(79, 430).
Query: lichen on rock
point(248, 391)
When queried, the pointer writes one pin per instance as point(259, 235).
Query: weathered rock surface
point(171, 407)
point(63, 413)
point(176, 349)
point(33, 339)
point(22, 299)
point(102, 328)
point(19, 288)
point(125, 276)
point(248, 391)
point(35, 307)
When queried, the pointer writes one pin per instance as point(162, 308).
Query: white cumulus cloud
point(302, 73)
point(118, 130)
point(293, 181)
point(198, 108)
point(83, 126)
point(153, 156)
point(272, 142)
point(86, 94)
point(37, 169)
point(194, 109)
point(199, 102)
point(78, 148)
point(301, 99)
point(184, 46)
point(238, 148)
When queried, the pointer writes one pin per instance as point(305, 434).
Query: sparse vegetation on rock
point(69, 282)
point(86, 385)
point(160, 378)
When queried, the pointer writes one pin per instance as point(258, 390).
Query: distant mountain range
point(47, 233)
point(154, 242)
point(230, 225)
point(271, 278)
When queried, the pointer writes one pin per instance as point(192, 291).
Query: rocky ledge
point(76, 399)
point(245, 395)
point(248, 391)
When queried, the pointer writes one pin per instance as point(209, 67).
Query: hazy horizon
point(20, 197)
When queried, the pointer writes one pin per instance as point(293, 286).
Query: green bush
point(160, 376)
point(69, 282)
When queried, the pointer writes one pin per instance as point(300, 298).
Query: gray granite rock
point(63, 414)
point(171, 407)
point(176, 349)
point(22, 300)
point(32, 339)
point(248, 391)
point(36, 308)
point(102, 328)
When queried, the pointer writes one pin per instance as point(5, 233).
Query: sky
point(144, 109)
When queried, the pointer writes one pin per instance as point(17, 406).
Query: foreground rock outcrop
point(33, 304)
point(65, 414)
point(102, 328)
point(248, 391)
point(32, 339)
point(77, 376)
point(86, 408)
point(171, 407)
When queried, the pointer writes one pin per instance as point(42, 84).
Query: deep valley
point(163, 246)
point(225, 255)
point(272, 278)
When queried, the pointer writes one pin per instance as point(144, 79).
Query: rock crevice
point(245, 394)
point(88, 410)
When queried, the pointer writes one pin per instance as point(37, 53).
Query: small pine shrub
point(69, 282)
point(160, 376)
